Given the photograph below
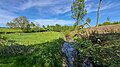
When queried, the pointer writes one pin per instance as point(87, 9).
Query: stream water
point(70, 53)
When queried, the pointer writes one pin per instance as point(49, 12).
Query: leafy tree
point(78, 10)
point(58, 27)
point(75, 24)
point(88, 21)
point(108, 18)
point(44, 27)
point(65, 28)
point(98, 15)
point(37, 27)
point(27, 28)
point(11, 25)
point(32, 24)
point(49, 28)
point(21, 22)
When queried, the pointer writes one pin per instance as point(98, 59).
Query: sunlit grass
point(34, 38)
point(9, 30)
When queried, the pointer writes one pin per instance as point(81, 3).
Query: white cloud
point(33, 3)
point(5, 16)
point(54, 21)
point(62, 7)
point(60, 10)
point(92, 6)
point(48, 6)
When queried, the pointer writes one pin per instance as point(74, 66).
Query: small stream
point(70, 54)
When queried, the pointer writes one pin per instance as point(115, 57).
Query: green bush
point(107, 23)
point(116, 22)
point(108, 55)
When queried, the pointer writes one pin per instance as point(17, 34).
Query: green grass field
point(33, 38)
point(41, 49)
point(40, 55)
point(9, 30)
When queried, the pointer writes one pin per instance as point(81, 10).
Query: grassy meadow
point(33, 38)
point(38, 49)
point(9, 30)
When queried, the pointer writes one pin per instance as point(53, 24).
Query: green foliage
point(32, 24)
point(23, 23)
point(44, 27)
point(57, 28)
point(11, 24)
point(20, 22)
point(27, 28)
point(75, 24)
point(2, 39)
point(70, 28)
point(109, 23)
point(108, 18)
point(67, 32)
point(88, 20)
point(107, 55)
point(40, 55)
point(116, 22)
point(78, 10)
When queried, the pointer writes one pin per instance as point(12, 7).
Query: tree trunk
point(88, 24)
point(76, 28)
point(98, 14)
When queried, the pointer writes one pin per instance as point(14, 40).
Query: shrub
point(107, 23)
point(116, 22)
point(107, 55)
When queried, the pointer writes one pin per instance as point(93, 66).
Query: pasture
point(33, 38)
point(40, 49)
point(9, 30)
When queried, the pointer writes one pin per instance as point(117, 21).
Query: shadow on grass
point(39, 55)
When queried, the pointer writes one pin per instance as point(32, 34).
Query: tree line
point(109, 23)
point(26, 26)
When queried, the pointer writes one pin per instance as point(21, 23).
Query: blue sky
point(51, 12)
